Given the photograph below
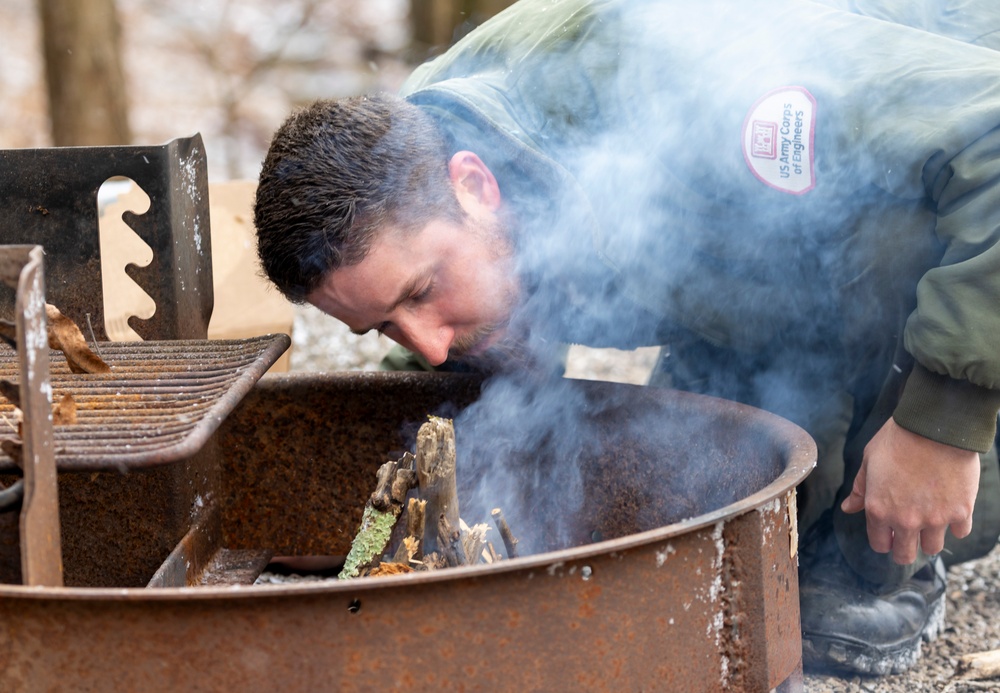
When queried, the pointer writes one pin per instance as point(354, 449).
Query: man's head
point(363, 212)
point(335, 174)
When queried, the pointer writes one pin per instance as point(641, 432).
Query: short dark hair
point(336, 173)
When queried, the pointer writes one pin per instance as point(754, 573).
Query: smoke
point(699, 212)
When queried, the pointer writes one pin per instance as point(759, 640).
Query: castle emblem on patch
point(778, 140)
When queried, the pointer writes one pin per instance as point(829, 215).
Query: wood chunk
point(411, 548)
point(979, 666)
point(474, 540)
point(377, 521)
point(436, 473)
point(450, 543)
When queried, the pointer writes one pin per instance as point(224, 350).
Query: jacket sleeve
point(932, 128)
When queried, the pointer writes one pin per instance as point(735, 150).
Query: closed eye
point(423, 294)
point(380, 328)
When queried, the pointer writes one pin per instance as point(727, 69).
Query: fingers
point(904, 546)
point(932, 541)
point(856, 501)
point(903, 543)
point(853, 503)
point(963, 528)
point(880, 536)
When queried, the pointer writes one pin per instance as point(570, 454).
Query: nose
point(431, 342)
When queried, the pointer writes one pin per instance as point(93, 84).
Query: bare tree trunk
point(439, 23)
point(83, 69)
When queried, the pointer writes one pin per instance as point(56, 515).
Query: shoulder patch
point(778, 136)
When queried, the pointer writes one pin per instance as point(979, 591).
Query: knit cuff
point(949, 411)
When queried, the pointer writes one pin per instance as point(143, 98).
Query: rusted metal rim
point(797, 447)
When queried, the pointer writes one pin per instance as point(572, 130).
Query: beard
point(523, 347)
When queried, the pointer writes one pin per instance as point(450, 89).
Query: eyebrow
point(407, 291)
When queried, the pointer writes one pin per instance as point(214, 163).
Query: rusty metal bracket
point(21, 268)
point(50, 199)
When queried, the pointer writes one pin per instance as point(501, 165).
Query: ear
point(475, 186)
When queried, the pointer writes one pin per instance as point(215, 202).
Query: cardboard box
point(245, 304)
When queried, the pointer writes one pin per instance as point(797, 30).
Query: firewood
point(381, 512)
point(411, 548)
point(393, 480)
point(436, 473)
point(509, 541)
point(490, 554)
point(433, 561)
point(979, 666)
point(473, 540)
point(450, 543)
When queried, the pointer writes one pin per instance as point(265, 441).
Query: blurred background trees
point(85, 72)
point(81, 46)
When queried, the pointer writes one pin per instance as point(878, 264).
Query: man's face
point(446, 291)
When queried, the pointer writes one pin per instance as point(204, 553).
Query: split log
point(474, 540)
point(436, 474)
point(380, 515)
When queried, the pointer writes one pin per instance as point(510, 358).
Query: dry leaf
point(64, 413)
point(65, 336)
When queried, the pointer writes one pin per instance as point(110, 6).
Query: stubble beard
point(511, 349)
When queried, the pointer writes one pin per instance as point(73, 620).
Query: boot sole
point(822, 653)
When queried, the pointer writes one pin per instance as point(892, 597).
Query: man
point(800, 203)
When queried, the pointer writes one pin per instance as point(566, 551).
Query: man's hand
point(912, 489)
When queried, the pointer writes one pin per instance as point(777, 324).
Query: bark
point(509, 540)
point(83, 71)
point(379, 517)
point(436, 473)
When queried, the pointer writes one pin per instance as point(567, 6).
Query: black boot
point(852, 625)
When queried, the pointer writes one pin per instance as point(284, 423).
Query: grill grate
point(160, 402)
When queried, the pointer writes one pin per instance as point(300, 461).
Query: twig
point(509, 541)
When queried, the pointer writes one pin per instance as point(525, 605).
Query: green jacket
point(762, 174)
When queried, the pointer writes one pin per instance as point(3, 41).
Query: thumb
point(856, 501)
